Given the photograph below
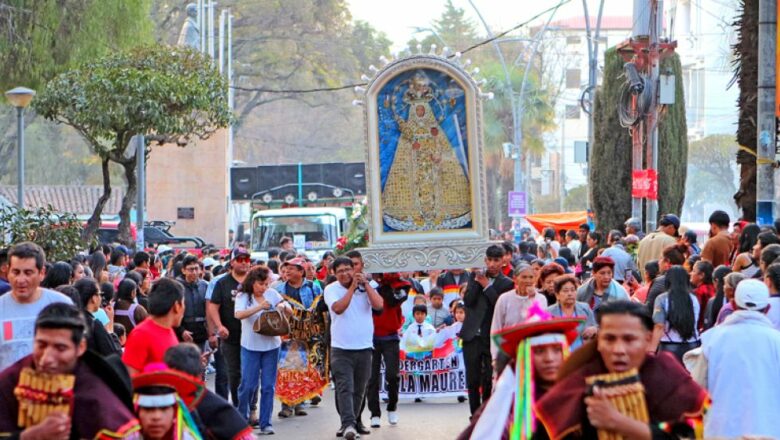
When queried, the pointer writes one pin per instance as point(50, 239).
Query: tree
point(42, 38)
point(711, 174)
point(611, 154)
point(292, 45)
point(168, 94)
point(453, 29)
point(746, 76)
point(576, 199)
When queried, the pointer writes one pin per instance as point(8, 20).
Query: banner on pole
point(518, 204)
point(644, 184)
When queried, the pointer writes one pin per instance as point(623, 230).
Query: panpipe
point(626, 392)
point(40, 394)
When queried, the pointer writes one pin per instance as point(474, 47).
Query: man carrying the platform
point(94, 392)
point(664, 401)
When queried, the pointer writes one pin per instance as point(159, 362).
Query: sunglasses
point(243, 259)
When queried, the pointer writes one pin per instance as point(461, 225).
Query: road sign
point(518, 204)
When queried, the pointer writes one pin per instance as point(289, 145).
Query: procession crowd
point(559, 335)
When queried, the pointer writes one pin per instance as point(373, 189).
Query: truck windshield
point(310, 232)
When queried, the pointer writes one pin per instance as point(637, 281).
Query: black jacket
point(480, 304)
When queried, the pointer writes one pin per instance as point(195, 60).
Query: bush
point(59, 234)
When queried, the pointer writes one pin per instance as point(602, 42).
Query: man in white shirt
point(741, 356)
point(20, 307)
point(350, 301)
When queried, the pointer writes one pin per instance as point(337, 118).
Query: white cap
point(751, 295)
point(208, 262)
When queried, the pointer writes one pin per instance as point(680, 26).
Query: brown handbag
point(272, 323)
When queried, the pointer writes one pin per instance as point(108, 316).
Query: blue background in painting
point(388, 129)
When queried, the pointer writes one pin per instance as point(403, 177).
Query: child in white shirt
point(419, 335)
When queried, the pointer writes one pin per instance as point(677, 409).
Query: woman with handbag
point(263, 314)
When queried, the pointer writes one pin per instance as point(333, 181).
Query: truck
point(314, 230)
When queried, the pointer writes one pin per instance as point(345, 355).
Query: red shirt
point(147, 343)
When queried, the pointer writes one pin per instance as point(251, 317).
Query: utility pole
point(140, 155)
point(644, 52)
point(766, 121)
point(593, 58)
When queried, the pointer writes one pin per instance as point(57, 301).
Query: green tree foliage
point(611, 153)
point(453, 29)
point(42, 38)
point(746, 77)
point(169, 94)
point(59, 234)
point(576, 199)
point(711, 175)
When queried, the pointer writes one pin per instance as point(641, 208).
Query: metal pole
point(765, 125)
point(140, 204)
point(212, 5)
point(231, 101)
point(652, 119)
point(221, 39)
point(562, 161)
point(593, 56)
point(20, 156)
point(202, 22)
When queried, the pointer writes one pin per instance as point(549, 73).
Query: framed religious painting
point(424, 165)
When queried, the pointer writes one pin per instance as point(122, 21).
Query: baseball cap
point(670, 219)
point(751, 295)
point(297, 261)
point(239, 252)
point(209, 262)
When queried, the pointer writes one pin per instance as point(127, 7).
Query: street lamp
point(20, 98)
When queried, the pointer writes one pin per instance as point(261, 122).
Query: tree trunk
point(125, 237)
point(746, 76)
point(94, 221)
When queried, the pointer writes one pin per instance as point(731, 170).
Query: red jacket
point(389, 321)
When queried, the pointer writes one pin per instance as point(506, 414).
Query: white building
point(704, 34)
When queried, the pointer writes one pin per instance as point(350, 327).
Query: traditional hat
point(541, 329)
point(156, 376)
point(516, 341)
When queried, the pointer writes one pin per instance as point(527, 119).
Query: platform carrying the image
point(425, 173)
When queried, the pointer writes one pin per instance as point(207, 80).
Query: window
point(573, 40)
point(572, 112)
point(319, 231)
point(573, 78)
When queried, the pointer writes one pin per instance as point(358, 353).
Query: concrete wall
point(192, 177)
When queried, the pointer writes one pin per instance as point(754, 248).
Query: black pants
point(390, 352)
point(479, 371)
point(351, 370)
point(221, 376)
point(232, 355)
point(678, 349)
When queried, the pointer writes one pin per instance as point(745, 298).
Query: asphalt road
point(440, 418)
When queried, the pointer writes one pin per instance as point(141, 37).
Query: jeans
point(479, 371)
point(389, 351)
point(232, 356)
point(351, 370)
point(258, 366)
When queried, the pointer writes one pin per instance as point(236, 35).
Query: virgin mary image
point(427, 187)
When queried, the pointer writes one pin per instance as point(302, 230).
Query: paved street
point(442, 418)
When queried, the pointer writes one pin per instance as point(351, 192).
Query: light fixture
point(337, 192)
point(20, 97)
point(268, 198)
point(289, 199)
point(312, 196)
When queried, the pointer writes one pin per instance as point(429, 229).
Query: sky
point(399, 18)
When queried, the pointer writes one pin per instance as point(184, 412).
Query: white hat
point(752, 295)
point(208, 262)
